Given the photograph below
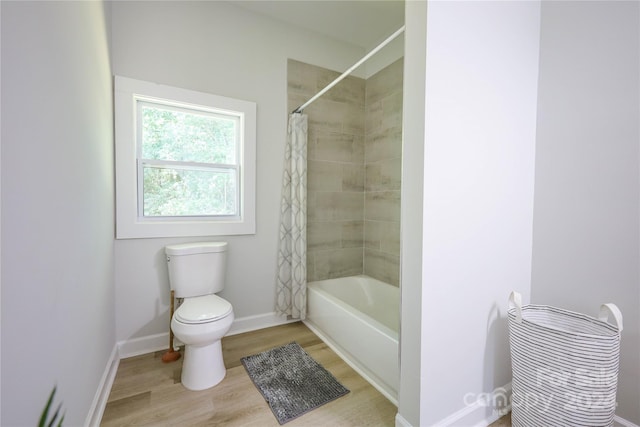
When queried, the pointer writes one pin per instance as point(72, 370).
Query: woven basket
point(565, 365)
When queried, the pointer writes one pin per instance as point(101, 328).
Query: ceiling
point(364, 23)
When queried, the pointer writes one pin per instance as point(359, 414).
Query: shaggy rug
point(291, 382)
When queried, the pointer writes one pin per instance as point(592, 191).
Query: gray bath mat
point(291, 382)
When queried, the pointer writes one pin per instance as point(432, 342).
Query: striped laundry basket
point(565, 365)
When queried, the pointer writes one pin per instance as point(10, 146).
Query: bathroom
point(141, 281)
point(137, 29)
point(114, 292)
point(274, 101)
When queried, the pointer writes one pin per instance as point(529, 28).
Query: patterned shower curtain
point(291, 282)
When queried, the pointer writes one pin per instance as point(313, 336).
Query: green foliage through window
point(177, 192)
point(188, 161)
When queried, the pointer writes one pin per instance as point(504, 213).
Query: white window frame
point(130, 223)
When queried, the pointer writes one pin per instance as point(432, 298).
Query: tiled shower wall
point(353, 181)
point(382, 159)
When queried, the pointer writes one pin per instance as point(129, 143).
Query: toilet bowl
point(200, 323)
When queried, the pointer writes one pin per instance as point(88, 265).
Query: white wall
point(385, 56)
point(57, 207)
point(479, 143)
point(219, 48)
point(586, 223)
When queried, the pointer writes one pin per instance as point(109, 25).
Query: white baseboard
point(158, 342)
point(621, 422)
point(401, 422)
point(143, 345)
point(104, 388)
point(260, 321)
point(481, 409)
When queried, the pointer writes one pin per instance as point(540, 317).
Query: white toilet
point(197, 273)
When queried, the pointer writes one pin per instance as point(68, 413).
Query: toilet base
point(203, 366)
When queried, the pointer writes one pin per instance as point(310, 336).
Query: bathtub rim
point(391, 333)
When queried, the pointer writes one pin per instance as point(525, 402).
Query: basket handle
point(515, 301)
point(605, 309)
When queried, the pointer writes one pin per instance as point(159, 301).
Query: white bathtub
point(359, 318)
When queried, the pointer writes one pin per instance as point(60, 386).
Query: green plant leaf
point(45, 413)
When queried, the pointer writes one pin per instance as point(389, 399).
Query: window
point(185, 162)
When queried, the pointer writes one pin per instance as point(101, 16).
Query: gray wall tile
point(338, 263)
point(383, 175)
point(354, 151)
point(382, 266)
point(382, 205)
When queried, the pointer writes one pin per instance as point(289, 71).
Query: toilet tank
point(197, 268)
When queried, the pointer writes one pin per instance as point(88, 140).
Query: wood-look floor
point(147, 392)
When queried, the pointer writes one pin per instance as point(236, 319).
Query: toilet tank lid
point(195, 248)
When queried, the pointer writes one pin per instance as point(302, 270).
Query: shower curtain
point(291, 281)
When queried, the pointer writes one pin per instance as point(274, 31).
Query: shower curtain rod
point(350, 70)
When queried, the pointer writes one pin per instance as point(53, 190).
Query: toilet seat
point(203, 309)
